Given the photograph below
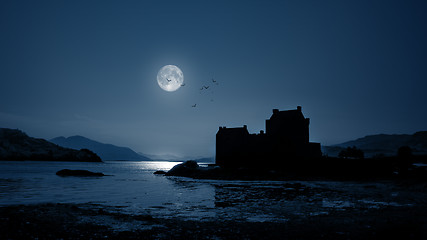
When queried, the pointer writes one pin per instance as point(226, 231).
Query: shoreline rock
point(78, 173)
point(80, 221)
point(326, 169)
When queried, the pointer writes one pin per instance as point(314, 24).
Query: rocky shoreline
point(72, 221)
point(293, 210)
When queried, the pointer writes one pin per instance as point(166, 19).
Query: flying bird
point(213, 80)
point(206, 87)
point(168, 79)
point(182, 85)
point(194, 105)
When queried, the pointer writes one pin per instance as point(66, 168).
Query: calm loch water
point(133, 188)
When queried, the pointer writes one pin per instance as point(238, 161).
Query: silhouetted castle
point(286, 139)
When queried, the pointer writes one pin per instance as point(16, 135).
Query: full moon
point(170, 78)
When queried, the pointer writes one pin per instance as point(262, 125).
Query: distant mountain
point(15, 145)
point(174, 158)
point(383, 144)
point(105, 151)
point(162, 157)
point(205, 160)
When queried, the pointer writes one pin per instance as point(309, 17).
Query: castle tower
point(289, 126)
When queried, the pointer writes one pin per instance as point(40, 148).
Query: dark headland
point(105, 151)
point(15, 145)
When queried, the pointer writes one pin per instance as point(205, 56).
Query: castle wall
point(285, 140)
point(231, 147)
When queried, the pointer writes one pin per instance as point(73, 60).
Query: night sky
point(89, 68)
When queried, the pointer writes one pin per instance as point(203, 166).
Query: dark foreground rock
point(239, 210)
point(71, 221)
point(78, 173)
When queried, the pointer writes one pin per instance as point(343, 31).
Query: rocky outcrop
point(323, 169)
point(193, 170)
point(78, 173)
point(184, 169)
point(15, 145)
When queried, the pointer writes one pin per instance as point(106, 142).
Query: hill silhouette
point(16, 145)
point(383, 144)
point(105, 151)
